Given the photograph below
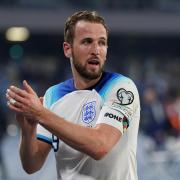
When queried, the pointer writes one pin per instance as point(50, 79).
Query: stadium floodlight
point(17, 34)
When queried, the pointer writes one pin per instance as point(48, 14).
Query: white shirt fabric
point(116, 104)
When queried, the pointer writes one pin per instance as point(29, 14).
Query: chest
point(79, 107)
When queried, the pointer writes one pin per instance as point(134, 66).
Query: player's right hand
point(27, 125)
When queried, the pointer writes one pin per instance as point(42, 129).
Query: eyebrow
point(101, 38)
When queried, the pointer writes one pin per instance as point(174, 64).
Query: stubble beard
point(83, 71)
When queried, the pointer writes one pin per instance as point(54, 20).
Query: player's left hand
point(25, 102)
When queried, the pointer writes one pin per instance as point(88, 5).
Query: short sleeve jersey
point(114, 101)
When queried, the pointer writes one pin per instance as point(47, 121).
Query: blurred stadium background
point(144, 44)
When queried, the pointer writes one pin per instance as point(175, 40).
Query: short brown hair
point(89, 16)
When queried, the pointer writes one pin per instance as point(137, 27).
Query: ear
point(67, 49)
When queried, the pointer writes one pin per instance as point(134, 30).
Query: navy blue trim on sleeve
point(44, 139)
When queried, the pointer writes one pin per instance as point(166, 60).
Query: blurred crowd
point(160, 104)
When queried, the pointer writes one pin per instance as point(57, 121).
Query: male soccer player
point(91, 120)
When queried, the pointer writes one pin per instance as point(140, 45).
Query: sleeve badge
point(125, 97)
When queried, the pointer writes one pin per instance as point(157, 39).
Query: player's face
point(89, 49)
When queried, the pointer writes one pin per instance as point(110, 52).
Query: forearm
point(30, 158)
point(88, 140)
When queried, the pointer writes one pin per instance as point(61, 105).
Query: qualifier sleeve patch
point(125, 97)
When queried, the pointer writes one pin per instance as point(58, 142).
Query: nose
point(95, 49)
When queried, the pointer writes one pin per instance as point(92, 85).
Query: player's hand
point(24, 102)
point(27, 126)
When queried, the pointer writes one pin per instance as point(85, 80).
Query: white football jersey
point(114, 100)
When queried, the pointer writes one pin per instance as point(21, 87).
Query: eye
point(87, 41)
point(102, 42)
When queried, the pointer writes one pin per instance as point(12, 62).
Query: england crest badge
point(89, 112)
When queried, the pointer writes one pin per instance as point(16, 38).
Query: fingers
point(28, 88)
point(17, 91)
point(13, 107)
point(16, 98)
point(22, 101)
point(12, 95)
point(12, 102)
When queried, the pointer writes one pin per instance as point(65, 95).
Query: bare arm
point(95, 142)
point(32, 151)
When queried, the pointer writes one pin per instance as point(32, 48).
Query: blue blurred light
point(16, 51)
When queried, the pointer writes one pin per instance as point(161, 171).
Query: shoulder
point(112, 81)
point(119, 78)
point(57, 91)
point(62, 88)
point(121, 94)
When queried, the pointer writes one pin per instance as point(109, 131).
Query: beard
point(84, 72)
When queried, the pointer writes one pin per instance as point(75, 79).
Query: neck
point(83, 83)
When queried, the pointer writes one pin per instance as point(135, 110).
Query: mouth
point(93, 62)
